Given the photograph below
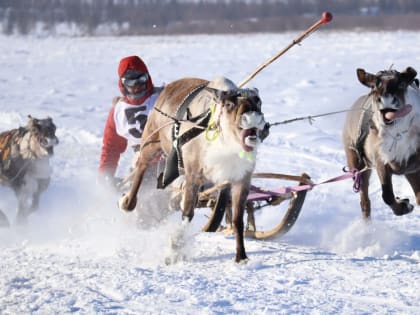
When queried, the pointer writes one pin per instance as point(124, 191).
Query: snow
point(80, 254)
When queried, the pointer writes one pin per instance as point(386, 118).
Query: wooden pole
point(325, 18)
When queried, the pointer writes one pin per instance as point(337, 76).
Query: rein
point(191, 120)
point(311, 118)
point(257, 194)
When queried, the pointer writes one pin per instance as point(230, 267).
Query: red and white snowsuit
point(126, 119)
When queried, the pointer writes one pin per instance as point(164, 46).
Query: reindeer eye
point(229, 105)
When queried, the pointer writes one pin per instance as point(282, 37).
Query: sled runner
point(217, 198)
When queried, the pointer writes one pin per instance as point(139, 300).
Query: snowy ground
point(79, 254)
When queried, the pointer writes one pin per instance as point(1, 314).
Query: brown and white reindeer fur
point(389, 138)
point(24, 163)
point(238, 119)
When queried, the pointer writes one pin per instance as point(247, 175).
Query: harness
point(365, 123)
point(174, 161)
point(10, 165)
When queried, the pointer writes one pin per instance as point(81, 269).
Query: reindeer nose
point(252, 120)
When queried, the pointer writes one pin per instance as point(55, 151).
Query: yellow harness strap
point(212, 131)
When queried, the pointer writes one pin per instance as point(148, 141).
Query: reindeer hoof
point(125, 204)
point(175, 258)
point(241, 257)
point(402, 207)
point(241, 261)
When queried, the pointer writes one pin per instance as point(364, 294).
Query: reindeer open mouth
point(249, 139)
point(250, 122)
point(390, 114)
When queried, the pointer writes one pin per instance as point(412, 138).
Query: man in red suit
point(128, 115)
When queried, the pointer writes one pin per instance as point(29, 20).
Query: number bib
point(131, 119)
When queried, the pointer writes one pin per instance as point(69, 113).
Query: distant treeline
point(135, 17)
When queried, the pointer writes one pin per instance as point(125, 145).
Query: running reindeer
point(24, 163)
point(232, 120)
point(382, 131)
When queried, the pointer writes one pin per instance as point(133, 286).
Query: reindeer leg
point(4, 222)
point(355, 162)
point(364, 195)
point(399, 207)
point(27, 194)
point(42, 186)
point(228, 218)
point(414, 180)
point(189, 199)
point(239, 195)
point(24, 205)
point(128, 201)
point(250, 218)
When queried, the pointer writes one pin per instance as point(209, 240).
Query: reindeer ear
point(408, 75)
point(218, 95)
point(254, 90)
point(30, 120)
point(34, 121)
point(366, 78)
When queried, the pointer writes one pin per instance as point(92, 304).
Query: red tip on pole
point(326, 17)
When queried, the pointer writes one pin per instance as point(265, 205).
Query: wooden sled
point(218, 198)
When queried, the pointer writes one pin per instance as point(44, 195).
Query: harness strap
point(365, 123)
point(174, 161)
point(5, 145)
point(10, 166)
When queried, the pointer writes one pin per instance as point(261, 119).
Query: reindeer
point(24, 162)
point(213, 139)
point(382, 131)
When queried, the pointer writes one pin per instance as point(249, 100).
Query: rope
point(261, 194)
point(191, 121)
point(312, 117)
point(165, 114)
point(169, 123)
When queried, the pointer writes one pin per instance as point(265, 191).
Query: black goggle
point(133, 78)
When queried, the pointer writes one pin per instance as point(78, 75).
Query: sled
point(218, 199)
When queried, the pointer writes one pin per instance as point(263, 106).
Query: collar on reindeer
point(250, 156)
point(212, 126)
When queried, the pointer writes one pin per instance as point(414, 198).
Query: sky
point(80, 254)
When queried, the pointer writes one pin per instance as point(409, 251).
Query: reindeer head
point(43, 132)
point(239, 110)
point(388, 91)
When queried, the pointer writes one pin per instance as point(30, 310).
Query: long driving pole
point(325, 18)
